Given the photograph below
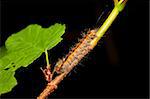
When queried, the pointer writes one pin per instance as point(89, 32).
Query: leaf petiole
point(47, 60)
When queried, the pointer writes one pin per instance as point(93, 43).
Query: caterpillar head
point(58, 65)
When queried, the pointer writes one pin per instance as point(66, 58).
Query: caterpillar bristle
point(83, 34)
point(81, 64)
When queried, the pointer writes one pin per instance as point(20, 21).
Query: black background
point(116, 67)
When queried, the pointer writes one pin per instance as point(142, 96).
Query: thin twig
point(51, 86)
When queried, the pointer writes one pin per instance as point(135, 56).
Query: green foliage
point(7, 81)
point(23, 48)
point(3, 51)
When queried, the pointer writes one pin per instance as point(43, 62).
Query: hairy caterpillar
point(76, 54)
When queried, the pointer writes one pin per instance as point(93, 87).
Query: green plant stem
point(47, 60)
point(101, 31)
point(115, 2)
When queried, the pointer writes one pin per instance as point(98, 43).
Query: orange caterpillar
point(76, 54)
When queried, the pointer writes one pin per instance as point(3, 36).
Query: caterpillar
point(76, 53)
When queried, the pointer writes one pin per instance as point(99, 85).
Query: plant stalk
point(47, 60)
point(101, 31)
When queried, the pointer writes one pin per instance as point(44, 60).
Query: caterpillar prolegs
point(77, 53)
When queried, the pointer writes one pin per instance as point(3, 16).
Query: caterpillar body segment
point(77, 53)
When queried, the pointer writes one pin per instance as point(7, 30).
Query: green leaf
point(5, 62)
point(26, 46)
point(3, 51)
point(36, 37)
point(7, 81)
